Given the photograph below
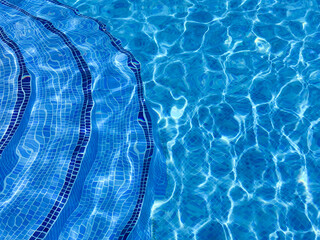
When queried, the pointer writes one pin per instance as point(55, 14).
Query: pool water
point(232, 89)
point(78, 157)
point(235, 88)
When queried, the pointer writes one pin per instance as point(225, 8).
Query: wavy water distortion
point(85, 160)
point(236, 88)
point(23, 92)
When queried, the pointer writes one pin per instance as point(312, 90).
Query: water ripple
point(235, 88)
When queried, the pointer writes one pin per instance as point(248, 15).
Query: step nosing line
point(144, 120)
point(23, 93)
point(84, 133)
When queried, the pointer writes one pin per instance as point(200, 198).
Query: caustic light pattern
point(235, 85)
point(77, 155)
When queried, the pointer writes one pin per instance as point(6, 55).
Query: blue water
point(232, 91)
point(78, 157)
point(235, 88)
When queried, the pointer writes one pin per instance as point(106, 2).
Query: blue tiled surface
point(8, 88)
point(86, 164)
point(235, 85)
point(23, 92)
point(234, 89)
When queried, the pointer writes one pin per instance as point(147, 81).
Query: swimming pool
point(78, 144)
point(228, 120)
point(235, 86)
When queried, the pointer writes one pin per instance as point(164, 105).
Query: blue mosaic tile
point(23, 92)
point(235, 87)
point(82, 157)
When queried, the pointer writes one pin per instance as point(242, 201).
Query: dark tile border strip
point(85, 127)
point(23, 93)
point(143, 118)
